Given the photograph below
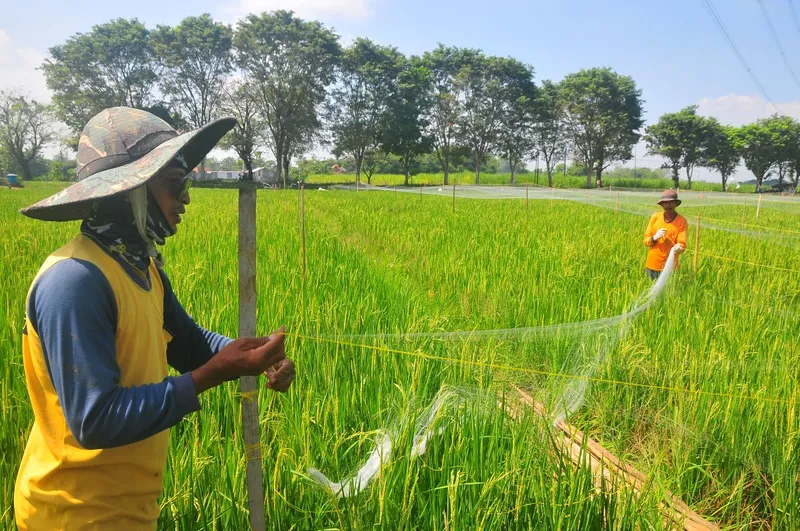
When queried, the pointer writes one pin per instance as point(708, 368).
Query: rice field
point(700, 394)
point(559, 180)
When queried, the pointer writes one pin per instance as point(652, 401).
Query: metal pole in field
point(696, 242)
point(247, 328)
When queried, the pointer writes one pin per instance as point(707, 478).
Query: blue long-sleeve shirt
point(74, 300)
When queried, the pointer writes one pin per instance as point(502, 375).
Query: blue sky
point(672, 49)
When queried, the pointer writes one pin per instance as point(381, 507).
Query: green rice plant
point(701, 393)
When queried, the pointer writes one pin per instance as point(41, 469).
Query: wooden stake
point(607, 467)
point(527, 205)
point(303, 225)
point(247, 328)
point(696, 242)
point(758, 208)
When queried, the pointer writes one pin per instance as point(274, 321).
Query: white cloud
point(309, 9)
point(735, 109)
point(18, 69)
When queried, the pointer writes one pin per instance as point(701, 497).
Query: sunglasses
point(178, 188)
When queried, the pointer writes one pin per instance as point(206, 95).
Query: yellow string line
point(248, 395)
point(497, 366)
point(755, 264)
point(764, 227)
point(252, 451)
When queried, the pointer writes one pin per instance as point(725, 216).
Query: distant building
point(262, 175)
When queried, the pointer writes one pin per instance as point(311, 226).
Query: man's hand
point(247, 357)
point(658, 235)
point(281, 376)
point(679, 248)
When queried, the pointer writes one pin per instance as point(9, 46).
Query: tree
point(290, 62)
point(358, 109)
point(682, 137)
point(723, 151)
point(196, 56)
point(549, 128)
point(7, 164)
point(515, 139)
point(404, 132)
point(444, 64)
point(786, 134)
point(111, 66)
point(486, 88)
point(761, 146)
point(240, 103)
point(604, 114)
point(25, 128)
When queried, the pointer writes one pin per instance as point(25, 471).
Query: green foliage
point(489, 89)
point(113, 65)
point(196, 59)
point(724, 150)
point(549, 127)
point(250, 130)
point(289, 63)
point(444, 64)
point(358, 107)
point(604, 115)
point(769, 143)
point(404, 131)
point(25, 129)
point(682, 138)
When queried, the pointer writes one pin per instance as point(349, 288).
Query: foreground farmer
point(665, 230)
point(102, 325)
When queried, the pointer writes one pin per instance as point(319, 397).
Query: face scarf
point(130, 225)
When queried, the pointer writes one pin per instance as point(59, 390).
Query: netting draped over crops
point(557, 362)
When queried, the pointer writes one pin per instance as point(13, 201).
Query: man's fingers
point(249, 343)
point(281, 376)
point(273, 350)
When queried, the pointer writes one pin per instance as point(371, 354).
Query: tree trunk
point(278, 166)
point(358, 171)
point(676, 180)
point(405, 170)
point(513, 168)
point(688, 178)
point(724, 183)
point(549, 177)
point(287, 160)
point(588, 176)
point(599, 172)
point(25, 166)
point(446, 168)
point(759, 180)
point(477, 172)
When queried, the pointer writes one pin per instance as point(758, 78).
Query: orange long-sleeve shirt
point(659, 251)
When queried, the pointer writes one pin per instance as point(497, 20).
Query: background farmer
point(103, 324)
point(665, 230)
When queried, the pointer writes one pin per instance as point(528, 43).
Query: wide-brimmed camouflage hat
point(120, 149)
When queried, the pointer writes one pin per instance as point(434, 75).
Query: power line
point(794, 16)
point(777, 40)
point(710, 7)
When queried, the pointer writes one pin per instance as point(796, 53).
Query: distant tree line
point(294, 88)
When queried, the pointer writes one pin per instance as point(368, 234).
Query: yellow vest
point(61, 485)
